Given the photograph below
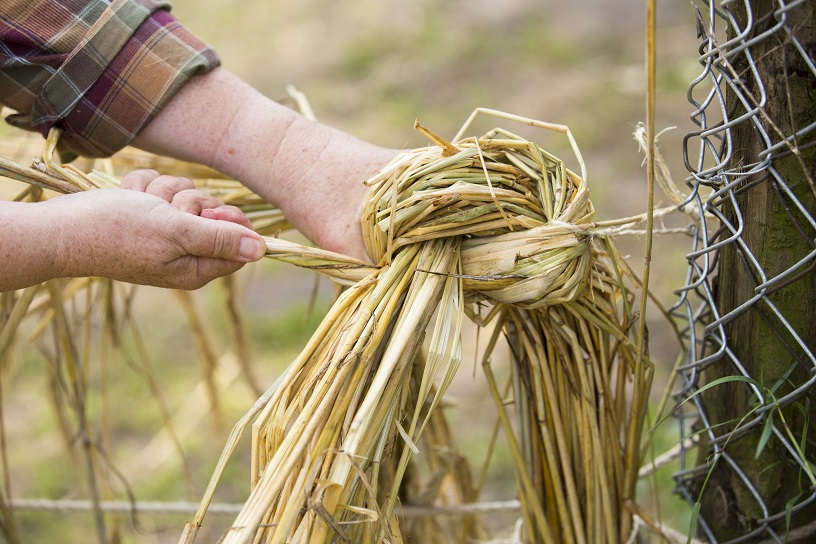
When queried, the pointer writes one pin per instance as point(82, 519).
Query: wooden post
point(756, 338)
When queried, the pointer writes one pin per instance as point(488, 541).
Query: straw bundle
point(492, 221)
point(493, 228)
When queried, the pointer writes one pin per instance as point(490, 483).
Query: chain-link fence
point(746, 398)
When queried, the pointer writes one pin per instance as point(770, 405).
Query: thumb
point(223, 240)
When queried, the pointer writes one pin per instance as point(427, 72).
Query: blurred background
point(370, 67)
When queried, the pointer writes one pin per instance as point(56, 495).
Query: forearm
point(65, 237)
point(313, 172)
point(218, 120)
point(29, 245)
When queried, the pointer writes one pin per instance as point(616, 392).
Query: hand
point(181, 194)
point(150, 239)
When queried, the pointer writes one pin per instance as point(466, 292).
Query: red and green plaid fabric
point(100, 70)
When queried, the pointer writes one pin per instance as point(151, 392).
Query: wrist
point(62, 233)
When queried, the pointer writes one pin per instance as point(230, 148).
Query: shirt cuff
point(103, 105)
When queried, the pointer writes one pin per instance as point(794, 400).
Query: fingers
point(227, 213)
point(167, 187)
point(194, 201)
point(171, 189)
point(150, 182)
point(138, 180)
point(181, 193)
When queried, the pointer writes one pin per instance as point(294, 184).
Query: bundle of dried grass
point(481, 222)
point(493, 228)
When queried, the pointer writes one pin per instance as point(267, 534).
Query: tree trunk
point(756, 338)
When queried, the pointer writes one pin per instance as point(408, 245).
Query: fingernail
point(251, 249)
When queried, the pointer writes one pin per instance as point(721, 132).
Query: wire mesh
point(746, 386)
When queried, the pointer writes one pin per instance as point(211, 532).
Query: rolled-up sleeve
point(99, 70)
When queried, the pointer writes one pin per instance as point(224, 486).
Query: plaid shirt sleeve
point(98, 69)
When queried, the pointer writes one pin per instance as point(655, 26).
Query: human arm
point(141, 57)
point(121, 234)
point(313, 172)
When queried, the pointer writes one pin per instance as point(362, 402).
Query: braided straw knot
point(520, 215)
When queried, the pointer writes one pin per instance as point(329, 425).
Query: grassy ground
point(369, 67)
